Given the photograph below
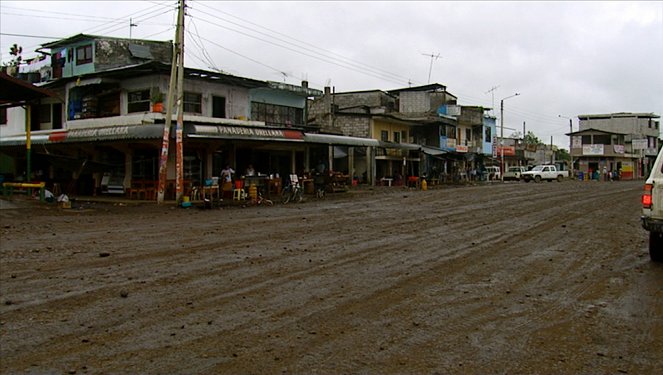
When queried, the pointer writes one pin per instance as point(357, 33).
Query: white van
point(652, 209)
point(493, 173)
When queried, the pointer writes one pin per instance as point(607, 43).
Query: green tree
point(563, 154)
point(16, 52)
point(532, 139)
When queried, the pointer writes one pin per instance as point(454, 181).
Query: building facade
point(624, 143)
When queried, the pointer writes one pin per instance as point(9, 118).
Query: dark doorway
point(218, 107)
point(57, 115)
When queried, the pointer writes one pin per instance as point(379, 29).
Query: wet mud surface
point(550, 278)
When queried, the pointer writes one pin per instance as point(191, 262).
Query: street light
point(502, 133)
point(570, 142)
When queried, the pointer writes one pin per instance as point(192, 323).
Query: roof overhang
point(332, 139)
point(245, 133)
point(106, 133)
point(16, 92)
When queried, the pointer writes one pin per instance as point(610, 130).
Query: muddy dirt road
point(512, 278)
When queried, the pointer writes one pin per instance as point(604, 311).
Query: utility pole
point(131, 26)
point(502, 133)
point(552, 152)
point(165, 144)
point(179, 164)
point(432, 58)
point(570, 144)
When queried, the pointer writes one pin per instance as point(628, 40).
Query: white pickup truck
point(544, 172)
point(652, 209)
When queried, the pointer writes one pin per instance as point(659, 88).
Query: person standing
point(227, 174)
point(250, 171)
point(227, 181)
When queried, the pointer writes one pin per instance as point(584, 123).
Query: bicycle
point(260, 200)
point(293, 192)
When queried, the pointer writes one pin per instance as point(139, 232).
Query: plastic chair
point(238, 191)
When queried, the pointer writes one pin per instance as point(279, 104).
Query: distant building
point(623, 142)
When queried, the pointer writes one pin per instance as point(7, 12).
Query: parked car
point(544, 172)
point(652, 209)
point(513, 173)
point(493, 173)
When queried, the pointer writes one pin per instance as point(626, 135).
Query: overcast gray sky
point(564, 58)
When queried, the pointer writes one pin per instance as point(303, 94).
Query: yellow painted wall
point(379, 126)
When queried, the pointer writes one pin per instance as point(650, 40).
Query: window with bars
point(193, 102)
point(277, 114)
point(138, 101)
point(384, 136)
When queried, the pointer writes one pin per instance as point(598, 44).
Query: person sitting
point(250, 171)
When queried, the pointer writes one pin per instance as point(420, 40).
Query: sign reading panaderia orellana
point(241, 131)
point(107, 132)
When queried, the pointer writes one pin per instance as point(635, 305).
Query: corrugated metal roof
point(331, 139)
point(107, 133)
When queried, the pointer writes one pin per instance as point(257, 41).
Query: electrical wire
point(87, 16)
point(305, 46)
point(147, 13)
point(301, 52)
point(200, 45)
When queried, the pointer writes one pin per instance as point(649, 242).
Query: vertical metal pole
point(28, 144)
point(571, 174)
point(501, 147)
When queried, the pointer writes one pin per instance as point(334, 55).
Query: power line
point(200, 44)
point(299, 52)
point(31, 36)
point(271, 32)
point(52, 12)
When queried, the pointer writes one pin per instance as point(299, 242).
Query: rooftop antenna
point(492, 91)
point(432, 58)
point(131, 26)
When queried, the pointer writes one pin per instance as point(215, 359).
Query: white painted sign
point(592, 149)
point(639, 144)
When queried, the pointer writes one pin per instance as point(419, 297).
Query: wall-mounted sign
point(592, 149)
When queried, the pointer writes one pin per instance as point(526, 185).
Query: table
point(211, 190)
point(274, 186)
point(387, 180)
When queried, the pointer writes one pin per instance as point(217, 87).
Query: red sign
point(508, 150)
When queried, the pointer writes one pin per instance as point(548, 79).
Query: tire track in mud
point(299, 311)
point(379, 307)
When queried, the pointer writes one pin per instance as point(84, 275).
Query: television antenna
point(492, 91)
point(432, 58)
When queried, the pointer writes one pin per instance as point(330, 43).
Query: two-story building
point(106, 121)
point(626, 143)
